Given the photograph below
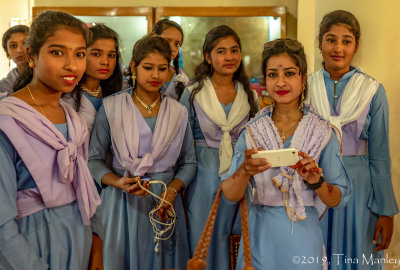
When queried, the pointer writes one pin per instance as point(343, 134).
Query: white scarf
point(208, 101)
point(356, 96)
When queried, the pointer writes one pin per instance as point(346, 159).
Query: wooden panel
point(103, 11)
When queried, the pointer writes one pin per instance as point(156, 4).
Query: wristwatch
point(316, 185)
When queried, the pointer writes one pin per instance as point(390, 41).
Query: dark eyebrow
point(274, 69)
point(151, 64)
point(223, 48)
point(64, 47)
point(332, 35)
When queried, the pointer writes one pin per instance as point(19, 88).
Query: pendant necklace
point(282, 134)
point(147, 107)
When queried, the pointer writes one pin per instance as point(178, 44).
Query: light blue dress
point(53, 238)
point(276, 242)
point(129, 242)
point(200, 195)
point(350, 230)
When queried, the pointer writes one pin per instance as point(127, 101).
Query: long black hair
point(158, 29)
point(43, 27)
point(114, 83)
point(204, 69)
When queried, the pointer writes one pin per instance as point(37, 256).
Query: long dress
point(7, 83)
point(200, 195)
point(276, 241)
point(129, 242)
point(349, 231)
point(52, 238)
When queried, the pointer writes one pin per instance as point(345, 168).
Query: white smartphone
point(279, 157)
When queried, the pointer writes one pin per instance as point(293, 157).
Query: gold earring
point(133, 79)
point(9, 57)
point(31, 64)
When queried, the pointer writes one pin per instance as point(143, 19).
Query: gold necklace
point(96, 93)
point(37, 104)
point(282, 133)
point(147, 107)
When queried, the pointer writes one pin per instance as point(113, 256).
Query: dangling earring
point(211, 70)
point(133, 79)
point(31, 64)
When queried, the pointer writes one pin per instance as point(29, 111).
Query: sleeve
point(96, 224)
point(334, 171)
point(187, 158)
point(382, 200)
point(185, 101)
point(13, 245)
point(100, 142)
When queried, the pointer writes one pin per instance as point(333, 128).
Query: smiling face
point(174, 38)
point(225, 57)
point(16, 48)
point(283, 79)
point(151, 72)
point(338, 47)
point(101, 59)
point(61, 60)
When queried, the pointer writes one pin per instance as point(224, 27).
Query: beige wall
point(12, 9)
point(378, 56)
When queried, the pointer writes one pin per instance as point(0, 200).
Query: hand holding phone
point(279, 157)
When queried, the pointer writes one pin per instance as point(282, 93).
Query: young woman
point(219, 103)
point(103, 75)
point(357, 105)
point(47, 214)
point(283, 217)
point(13, 44)
point(148, 134)
point(177, 80)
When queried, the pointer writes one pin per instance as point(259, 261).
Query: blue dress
point(129, 242)
point(275, 241)
point(200, 195)
point(53, 238)
point(350, 230)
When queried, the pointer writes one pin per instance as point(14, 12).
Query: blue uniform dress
point(129, 242)
point(53, 238)
point(350, 230)
point(200, 195)
point(275, 241)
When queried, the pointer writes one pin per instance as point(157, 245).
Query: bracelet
point(316, 185)
point(174, 189)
